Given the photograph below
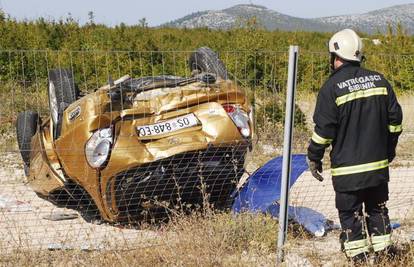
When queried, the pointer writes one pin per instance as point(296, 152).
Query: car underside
point(140, 148)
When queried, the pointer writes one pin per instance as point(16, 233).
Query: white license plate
point(168, 126)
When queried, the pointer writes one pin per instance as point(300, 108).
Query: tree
point(143, 23)
point(2, 15)
point(91, 17)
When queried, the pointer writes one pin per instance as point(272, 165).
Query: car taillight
point(229, 108)
point(239, 117)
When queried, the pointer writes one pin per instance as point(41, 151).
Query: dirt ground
point(22, 222)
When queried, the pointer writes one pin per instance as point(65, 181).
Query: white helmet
point(347, 45)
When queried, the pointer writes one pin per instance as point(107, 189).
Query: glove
point(315, 168)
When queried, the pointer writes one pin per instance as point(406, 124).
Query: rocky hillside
point(377, 20)
point(369, 22)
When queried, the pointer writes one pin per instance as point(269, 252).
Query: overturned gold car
point(139, 147)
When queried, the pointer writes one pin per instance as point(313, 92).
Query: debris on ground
point(60, 216)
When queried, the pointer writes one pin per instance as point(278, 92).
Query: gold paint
point(130, 151)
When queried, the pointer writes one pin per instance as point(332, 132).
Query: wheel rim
point(53, 103)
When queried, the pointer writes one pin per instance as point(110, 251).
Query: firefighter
point(358, 114)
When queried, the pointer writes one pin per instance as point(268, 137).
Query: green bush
point(256, 58)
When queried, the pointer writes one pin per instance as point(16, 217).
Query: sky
point(157, 12)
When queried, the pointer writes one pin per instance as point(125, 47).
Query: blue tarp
point(261, 193)
point(263, 187)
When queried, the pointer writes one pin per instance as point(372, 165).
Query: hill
point(370, 22)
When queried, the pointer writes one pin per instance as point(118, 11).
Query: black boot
point(390, 253)
point(360, 259)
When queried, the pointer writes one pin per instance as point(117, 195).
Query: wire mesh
point(175, 142)
point(64, 202)
point(320, 196)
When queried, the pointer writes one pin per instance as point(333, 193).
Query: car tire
point(205, 59)
point(26, 126)
point(62, 92)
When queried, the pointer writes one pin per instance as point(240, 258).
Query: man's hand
point(315, 168)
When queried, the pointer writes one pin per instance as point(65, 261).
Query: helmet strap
point(332, 62)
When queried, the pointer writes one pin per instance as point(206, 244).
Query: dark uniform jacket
point(358, 114)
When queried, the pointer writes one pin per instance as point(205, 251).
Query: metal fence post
point(287, 150)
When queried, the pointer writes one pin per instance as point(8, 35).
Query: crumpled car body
point(142, 147)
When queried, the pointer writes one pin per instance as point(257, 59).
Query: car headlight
point(98, 147)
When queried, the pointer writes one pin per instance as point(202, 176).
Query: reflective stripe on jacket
point(357, 113)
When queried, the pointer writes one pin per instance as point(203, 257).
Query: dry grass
point(198, 240)
point(195, 240)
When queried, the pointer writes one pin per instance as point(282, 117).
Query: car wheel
point(206, 60)
point(62, 92)
point(26, 126)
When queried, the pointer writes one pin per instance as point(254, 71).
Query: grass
point(196, 240)
point(16, 98)
point(212, 239)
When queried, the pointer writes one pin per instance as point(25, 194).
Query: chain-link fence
point(101, 153)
